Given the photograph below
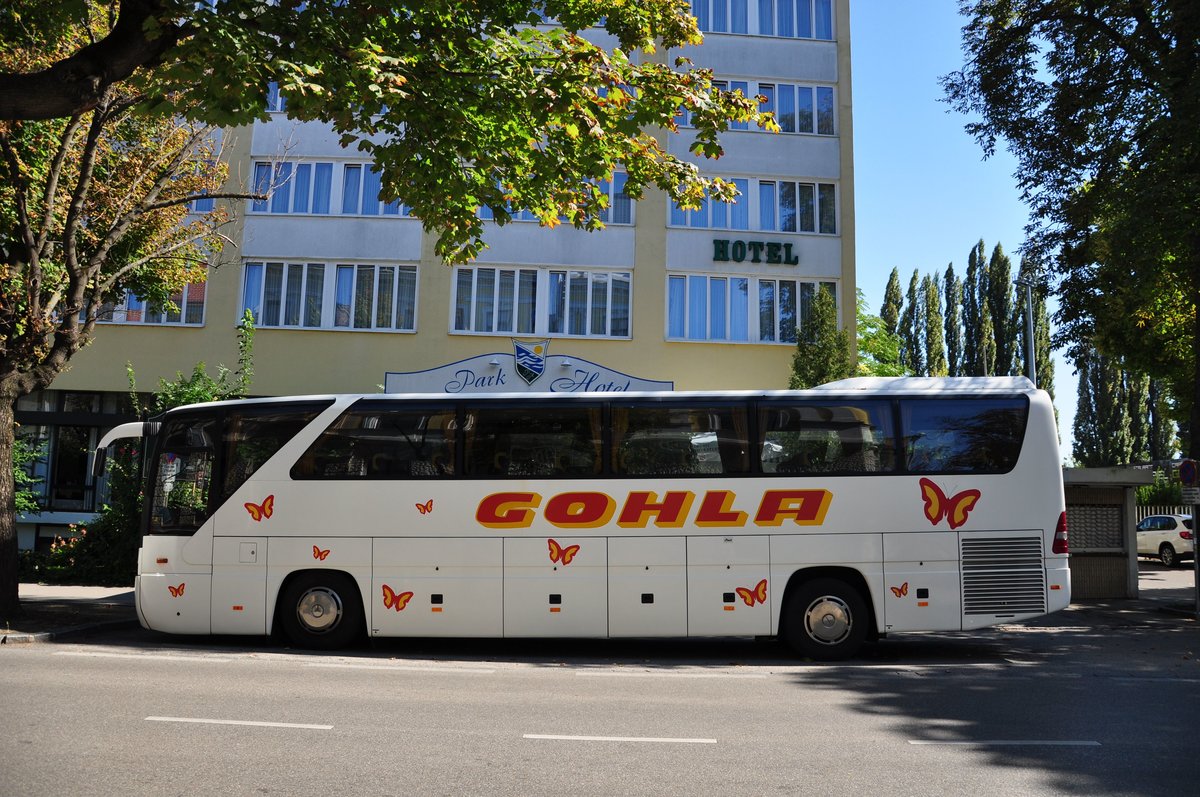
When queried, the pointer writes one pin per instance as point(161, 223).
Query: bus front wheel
point(825, 619)
point(321, 610)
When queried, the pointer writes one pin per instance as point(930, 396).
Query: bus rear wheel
point(321, 610)
point(825, 619)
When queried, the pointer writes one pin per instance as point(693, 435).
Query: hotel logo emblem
point(530, 357)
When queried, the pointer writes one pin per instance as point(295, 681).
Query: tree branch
point(78, 83)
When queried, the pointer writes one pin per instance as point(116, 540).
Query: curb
point(16, 638)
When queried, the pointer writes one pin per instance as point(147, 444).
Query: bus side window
point(824, 437)
point(559, 440)
point(963, 435)
point(378, 439)
point(672, 440)
point(255, 434)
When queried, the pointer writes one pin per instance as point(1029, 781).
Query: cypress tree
point(1137, 393)
point(1163, 440)
point(1101, 428)
point(889, 313)
point(935, 350)
point(954, 335)
point(822, 350)
point(971, 320)
point(912, 322)
point(1000, 305)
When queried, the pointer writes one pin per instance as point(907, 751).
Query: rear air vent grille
point(1003, 576)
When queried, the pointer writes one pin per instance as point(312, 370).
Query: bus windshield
point(203, 457)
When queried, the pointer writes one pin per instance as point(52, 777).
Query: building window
point(804, 19)
point(187, 308)
point(783, 206)
point(718, 308)
point(328, 296)
point(64, 427)
point(797, 108)
point(276, 102)
point(542, 301)
point(292, 187)
point(722, 16)
point(797, 207)
point(619, 211)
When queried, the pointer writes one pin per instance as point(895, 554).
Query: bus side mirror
point(98, 462)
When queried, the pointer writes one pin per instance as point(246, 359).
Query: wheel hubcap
point(827, 620)
point(319, 610)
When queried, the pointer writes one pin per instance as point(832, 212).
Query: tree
point(935, 349)
point(1043, 359)
point(912, 323)
point(954, 334)
point(1101, 429)
point(822, 350)
point(878, 349)
point(893, 300)
point(461, 105)
point(1163, 442)
point(972, 363)
point(1100, 102)
point(1000, 309)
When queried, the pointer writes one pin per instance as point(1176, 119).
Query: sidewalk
point(50, 612)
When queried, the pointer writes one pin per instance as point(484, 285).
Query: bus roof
point(876, 385)
point(928, 384)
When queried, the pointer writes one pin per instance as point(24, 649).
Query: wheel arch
point(273, 617)
point(845, 573)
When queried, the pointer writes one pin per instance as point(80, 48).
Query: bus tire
point(321, 610)
point(825, 619)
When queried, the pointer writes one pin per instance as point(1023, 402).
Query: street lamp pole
point(1030, 348)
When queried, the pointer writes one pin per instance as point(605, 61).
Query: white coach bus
point(826, 517)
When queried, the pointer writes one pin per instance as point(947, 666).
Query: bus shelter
point(1101, 522)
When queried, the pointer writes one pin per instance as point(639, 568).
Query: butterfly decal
point(263, 510)
point(320, 555)
point(756, 595)
point(391, 600)
point(177, 592)
point(426, 507)
point(561, 554)
point(954, 509)
point(900, 591)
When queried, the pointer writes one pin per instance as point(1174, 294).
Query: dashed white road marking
point(254, 723)
point(638, 739)
point(403, 668)
point(655, 674)
point(146, 656)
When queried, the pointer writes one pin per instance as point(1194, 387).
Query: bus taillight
point(1060, 535)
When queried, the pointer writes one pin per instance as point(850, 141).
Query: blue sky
point(924, 195)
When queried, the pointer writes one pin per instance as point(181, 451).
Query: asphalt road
point(1098, 701)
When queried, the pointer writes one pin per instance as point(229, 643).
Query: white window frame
point(254, 298)
point(754, 331)
point(547, 277)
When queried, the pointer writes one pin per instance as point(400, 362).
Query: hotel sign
point(526, 370)
point(777, 252)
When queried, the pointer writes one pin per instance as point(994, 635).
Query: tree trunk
point(9, 602)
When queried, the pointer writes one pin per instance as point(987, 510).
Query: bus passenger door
point(729, 593)
point(239, 585)
point(556, 587)
point(921, 575)
point(437, 587)
point(647, 586)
